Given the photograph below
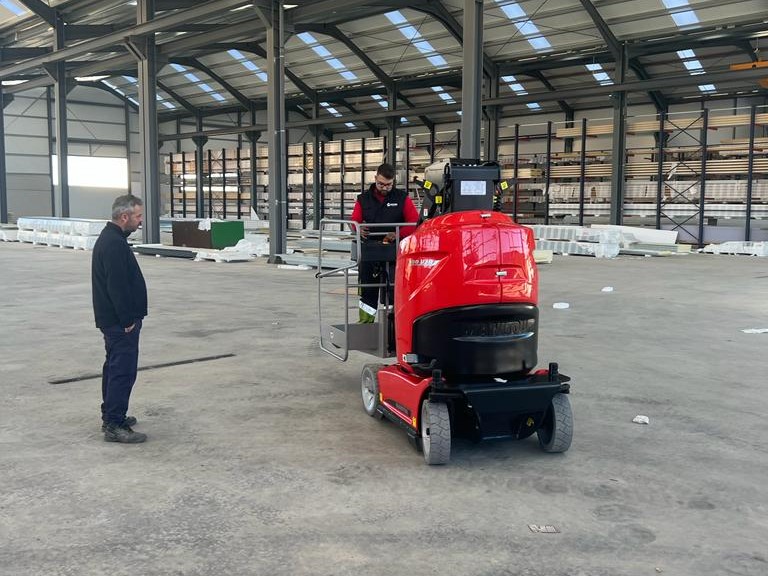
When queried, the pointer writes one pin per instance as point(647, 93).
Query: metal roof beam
point(159, 24)
point(16, 54)
point(85, 31)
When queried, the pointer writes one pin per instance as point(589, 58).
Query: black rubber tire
point(435, 432)
point(556, 432)
point(369, 389)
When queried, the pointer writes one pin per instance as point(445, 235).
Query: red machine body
point(466, 285)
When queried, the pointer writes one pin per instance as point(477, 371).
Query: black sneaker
point(129, 421)
point(122, 434)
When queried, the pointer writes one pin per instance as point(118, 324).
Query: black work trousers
point(376, 273)
point(119, 371)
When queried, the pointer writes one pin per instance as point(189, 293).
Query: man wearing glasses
point(382, 203)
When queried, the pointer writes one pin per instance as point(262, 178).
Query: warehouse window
point(525, 25)
point(93, 172)
point(414, 37)
point(327, 55)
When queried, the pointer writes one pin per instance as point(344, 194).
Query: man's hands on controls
point(390, 237)
point(364, 231)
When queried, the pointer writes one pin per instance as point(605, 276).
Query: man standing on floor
point(382, 203)
point(119, 304)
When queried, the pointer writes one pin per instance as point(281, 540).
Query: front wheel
point(369, 388)
point(435, 432)
point(556, 432)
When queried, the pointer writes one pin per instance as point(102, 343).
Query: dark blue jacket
point(119, 290)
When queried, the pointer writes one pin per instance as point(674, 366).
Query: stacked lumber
point(670, 123)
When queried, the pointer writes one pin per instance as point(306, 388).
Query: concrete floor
point(266, 464)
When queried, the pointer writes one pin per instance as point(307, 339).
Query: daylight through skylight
point(681, 13)
point(687, 18)
point(524, 25)
point(326, 55)
point(518, 89)
point(237, 55)
point(200, 84)
point(133, 80)
point(599, 74)
point(414, 37)
point(13, 7)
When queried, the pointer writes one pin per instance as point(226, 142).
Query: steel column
point(392, 123)
point(582, 168)
point(703, 175)
point(147, 78)
point(515, 171)
point(276, 129)
point(660, 169)
point(3, 180)
point(547, 175)
point(619, 140)
point(750, 173)
point(316, 178)
point(199, 160)
point(59, 73)
point(51, 145)
point(492, 124)
point(472, 79)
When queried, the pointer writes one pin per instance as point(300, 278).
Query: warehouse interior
point(651, 114)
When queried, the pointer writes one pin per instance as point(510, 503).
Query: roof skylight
point(327, 55)
point(683, 18)
point(414, 37)
point(440, 91)
point(237, 55)
point(132, 80)
point(524, 25)
point(382, 102)
point(331, 110)
point(599, 74)
point(200, 84)
point(13, 7)
point(694, 67)
point(518, 89)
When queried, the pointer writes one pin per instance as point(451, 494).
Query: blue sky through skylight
point(328, 56)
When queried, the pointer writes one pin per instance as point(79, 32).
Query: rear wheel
point(435, 432)
point(369, 388)
point(556, 432)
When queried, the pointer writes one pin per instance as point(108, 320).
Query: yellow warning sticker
point(438, 199)
point(504, 185)
point(530, 422)
point(413, 421)
point(427, 184)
